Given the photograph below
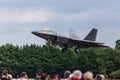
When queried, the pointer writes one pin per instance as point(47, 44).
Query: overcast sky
point(19, 17)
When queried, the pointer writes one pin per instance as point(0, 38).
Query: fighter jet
point(69, 42)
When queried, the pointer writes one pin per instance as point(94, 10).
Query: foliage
point(29, 58)
point(116, 74)
point(117, 47)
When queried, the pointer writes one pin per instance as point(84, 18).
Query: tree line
point(29, 58)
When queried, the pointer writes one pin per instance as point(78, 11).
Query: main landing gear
point(76, 50)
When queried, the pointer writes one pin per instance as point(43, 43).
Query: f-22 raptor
point(69, 42)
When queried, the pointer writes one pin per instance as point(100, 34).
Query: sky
point(19, 17)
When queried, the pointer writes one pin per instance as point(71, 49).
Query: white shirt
point(21, 79)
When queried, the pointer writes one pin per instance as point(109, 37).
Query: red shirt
point(76, 79)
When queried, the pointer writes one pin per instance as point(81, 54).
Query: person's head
point(67, 73)
point(88, 75)
point(103, 77)
point(38, 72)
point(43, 76)
point(76, 75)
point(53, 75)
point(111, 77)
point(23, 75)
point(9, 76)
point(100, 77)
point(5, 72)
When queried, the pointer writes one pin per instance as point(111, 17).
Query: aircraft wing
point(85, 43)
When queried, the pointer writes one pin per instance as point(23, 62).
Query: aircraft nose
point(36, 33)
point(33, 32)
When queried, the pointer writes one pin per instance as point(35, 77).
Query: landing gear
point(76, 50)
point(49, 42)
point(64, 49)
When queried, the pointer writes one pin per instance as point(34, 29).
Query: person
point(66, 75)
point(5, 75)
point(100, 77)
point(88, 75)
point(76, 75)
point(52, 75)
point(59, 77)
point(38, 75)
point(9, 76)
point(111, 77)
point(23, 76)
point(43, 76)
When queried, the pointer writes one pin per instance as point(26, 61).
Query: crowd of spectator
point(53, 75)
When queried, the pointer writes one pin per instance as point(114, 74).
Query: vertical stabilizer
point(91, 35)
point(73, 34)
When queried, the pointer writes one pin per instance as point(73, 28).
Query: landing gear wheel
point(76, 50)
